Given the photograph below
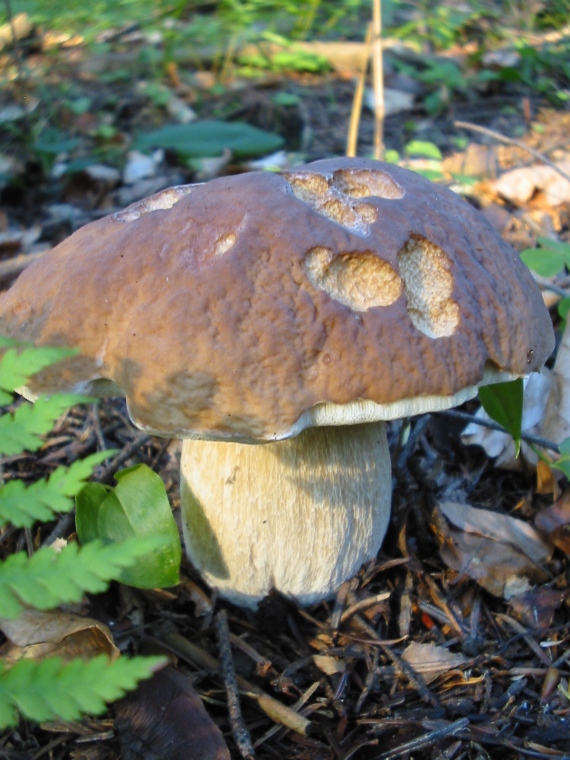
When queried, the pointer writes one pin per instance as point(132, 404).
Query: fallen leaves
point(165, 718)
point(501, 553)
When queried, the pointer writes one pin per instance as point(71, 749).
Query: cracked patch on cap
point(161, 201)
point(428, 285)
point(322, 196)
point(358, 280)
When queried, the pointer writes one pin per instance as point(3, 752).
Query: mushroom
point(297, 310)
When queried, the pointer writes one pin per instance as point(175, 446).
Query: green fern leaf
point(22, 430)
point(49, 578)
point(23, 505)
point(17, 366)
point(50, 688)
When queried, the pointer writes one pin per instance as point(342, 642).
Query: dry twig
point(511, 141)
point(240, 733)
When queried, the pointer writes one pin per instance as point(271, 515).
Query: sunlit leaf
point(503, 402)
point(137, 506)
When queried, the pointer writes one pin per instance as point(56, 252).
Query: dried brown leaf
point(38, 634)
point(165, 718)
point(432, 661)
point(498, 567)
point(499, 528)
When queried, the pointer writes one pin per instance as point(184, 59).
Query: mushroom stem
point(300, 515)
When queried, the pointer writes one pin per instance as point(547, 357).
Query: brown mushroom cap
point(230, 309)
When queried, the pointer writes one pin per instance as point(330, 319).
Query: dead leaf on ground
point(36, 634)
point(499, 528)
point(165, 718)
point(537, 182)
point(432, 661)
point(503, 554)
point(499, 568)
point(557, 514)
point(536, 608)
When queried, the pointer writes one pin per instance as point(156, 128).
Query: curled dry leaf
point(541, 184)
point(165, 718)
point(499, 552)
point(329, 665)
point(554, 516)
point(38, 634)
point(432, 661)
point(500, 528)
point(499, 568)
point(536, 608)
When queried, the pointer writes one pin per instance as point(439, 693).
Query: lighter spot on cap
point(362, 183)
point(358, 280)
point(161, 201)
point(428, 285)
point(318, 192)
point(224, 243)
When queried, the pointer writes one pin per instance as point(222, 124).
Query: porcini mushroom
point(296, 310)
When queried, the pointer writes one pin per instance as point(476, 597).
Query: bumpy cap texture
point(229, 309)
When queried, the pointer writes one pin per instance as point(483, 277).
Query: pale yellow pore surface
point(300, 515)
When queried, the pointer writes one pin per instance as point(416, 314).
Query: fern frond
point(22, 430)
point(23, 505)
point(50, 688)
point(49, 578)
point(17, 366)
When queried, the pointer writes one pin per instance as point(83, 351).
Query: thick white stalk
point(300, 515)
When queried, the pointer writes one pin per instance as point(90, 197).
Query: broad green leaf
point(503, 402)
point(137, 506)
point(563, 309)
point(423, 148)
point(549, 259)
point(88, 502)
point(23, 430)
point(53, 689)
point(23, 505)
point(49, 578)
point(202, 139)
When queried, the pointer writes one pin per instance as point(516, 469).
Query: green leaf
point(22, 430)
point(21, 361)
point(49, 689)
point(503, 402)
point(563, 464)
point(549, 259)
point(49, 578)
point(202, 139)
point(23, 505)
point(137, 506)
point(423, 148)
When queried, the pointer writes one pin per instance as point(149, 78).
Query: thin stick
point(352, 139)
point(536, 440)
point(511, 141)
point(274, 709)
point(426, 740)
point(239, 729)
point(378, 79)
